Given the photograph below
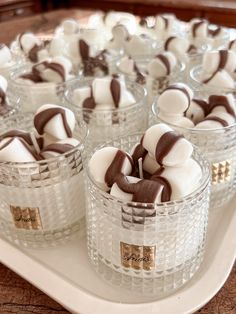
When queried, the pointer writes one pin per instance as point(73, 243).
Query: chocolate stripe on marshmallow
point(43, 117)
point(115, 91)
point(58, 148)
point(231, 43)
point(83, 49)
point(17, 133)
point(165, 144)
point(222, 101)
point(165, 61)
point(33, 53)
point(214, 32)
point(204, 105)
point(195, 28)
point(223, 122)
point(168, 41)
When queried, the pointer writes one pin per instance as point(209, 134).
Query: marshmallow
point(164, 24)
point(139, 45)
point(80, 94)
point(225, 103)
point(197, 110)
point(166, 146)
point(175, 99)
point(16, 150)
point(58, 47)
point(220, 79)
point(114, 18)
point(107, 163)
point(5, 56)
point(232, 45)
point(133, 189)
point(111, 91)
point(70, 26)
point(217, 60)
point(162, 65)
point(120, 35)
point(57, 148)
point(54, 120)
point(183, 180)
point(126, 65)
point(216, 120)
point(177, 45)
point(199, 28)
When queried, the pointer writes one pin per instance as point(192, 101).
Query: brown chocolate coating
point(17, 133)
point(165, 61)
point(32, 76)
point(57, 148)
point(165, 144)
point(83, 49)
point(168, 41)
point(195, 28)
point(204, 105)
point(223, 57)
point(220, 100)
point(181, 88)
point(223, 122)
point(33, 53)
point(115, 91)
point(43, 117)
point(214, 32)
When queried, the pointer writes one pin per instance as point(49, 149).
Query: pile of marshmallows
point(104, 93)
point(177, 105)
point(161, 65)
point(51, 136)
point(218, 68)
point(159, 168)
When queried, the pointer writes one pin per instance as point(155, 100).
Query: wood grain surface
point(19, 297)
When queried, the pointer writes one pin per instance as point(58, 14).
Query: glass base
point(163, 284)
point(41, 238)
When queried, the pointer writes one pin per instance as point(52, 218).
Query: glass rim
point(111, 110)
point(192, 130)
point(50, 160)
point(211, 87)
point(205, 180)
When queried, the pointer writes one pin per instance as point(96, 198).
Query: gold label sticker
point(137, 257)
point(221, 172)
point(26, 217)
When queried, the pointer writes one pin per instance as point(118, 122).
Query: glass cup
point(36, 94)
point(106, 124)
point(219, 147)
point(42, 202)
point(12, 106)
point(148, 248)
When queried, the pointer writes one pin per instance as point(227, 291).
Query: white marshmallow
point(117, 192)
point(120, 35)
point(55, 126)
point(80, 94)
point(3, 84)
point(15, 150)
point(57, 148)
point(101, 161)
point(183, 179)
point(179, 152)
point(232, 45)
point(126, 65)
point(222, 59)
point(210, 122)
point(222, 103)
point(70, 26)
point(197, 110)
point(177, 45)
point(199, 28)
point(175, 99)
point(58, 47)
point(162, 65)
point(221, 79)
point(139, 45)
point(28, 41)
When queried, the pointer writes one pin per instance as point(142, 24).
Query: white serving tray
point(64, 273)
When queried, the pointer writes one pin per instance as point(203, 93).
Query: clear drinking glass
point(149, 248)
point(42, 202)
point(36, 94)
point(13, 105)
point(219, 147)
point(107, 124)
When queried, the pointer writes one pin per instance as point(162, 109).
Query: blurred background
point(216, 11)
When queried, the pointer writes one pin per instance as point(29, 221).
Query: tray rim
point(76, 299)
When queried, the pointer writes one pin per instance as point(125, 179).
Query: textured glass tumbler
point(42, 202)
point(219, 147)
point(107, 124)
point(34, 95)
point(147, 248)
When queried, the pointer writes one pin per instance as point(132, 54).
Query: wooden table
point(18, 296)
